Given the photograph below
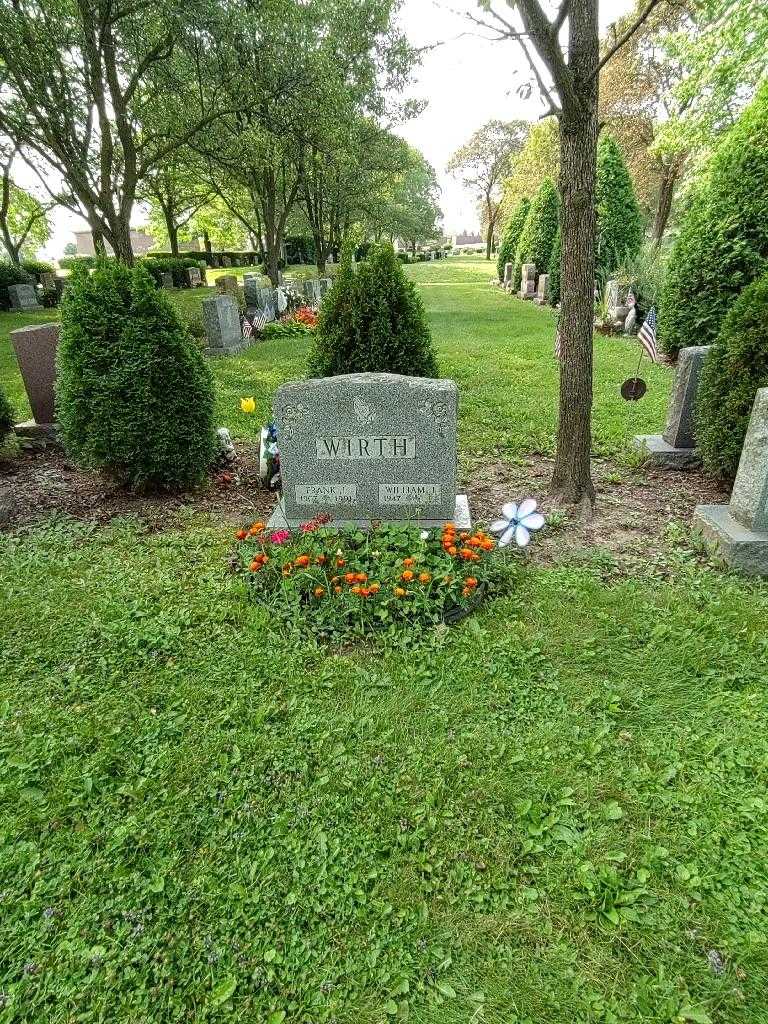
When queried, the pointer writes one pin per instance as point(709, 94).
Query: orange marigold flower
point(424, 577)
point(255, 566)
point(340, 562)
point(365, 592)
point(350, 577)
point(354, 590)
point(337, 590)
point(241, 534)
point(361, 577)
point(303, 561)
point(319, 591)
point(399, 592)
point(408, 561)
point(467, 553)
point(320, 559)
point(453, 550)
point(375, 588)
point(407, 575)
point(470, 581)
point(466, 592)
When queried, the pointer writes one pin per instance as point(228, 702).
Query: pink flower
point(280, 536)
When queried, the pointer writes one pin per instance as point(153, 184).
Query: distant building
point(141, 242)
point(467, 240)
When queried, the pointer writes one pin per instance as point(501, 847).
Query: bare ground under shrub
point(634, 509)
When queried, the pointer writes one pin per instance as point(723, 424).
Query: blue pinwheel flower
point(518, 523)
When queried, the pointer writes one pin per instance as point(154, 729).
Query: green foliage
point(135, 397)
point(619, 221)
point(511, 236)
point(723, 241)
point(174, 265)
point(555, 268)
point(539, 230)
point(74, 261)
point(11, 274)
point(735, 368)
point(288, 328)
point(6, 415)
point(645, 274)
point(373, 320)
point(299, 249)
point(339, 584)
point(37, 267)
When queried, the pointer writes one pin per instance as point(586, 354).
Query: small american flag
point(253, 323)
point(647, 335)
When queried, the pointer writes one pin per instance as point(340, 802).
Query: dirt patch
point(634, 507)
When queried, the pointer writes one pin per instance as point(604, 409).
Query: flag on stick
point(647, 335)
point(558, 345)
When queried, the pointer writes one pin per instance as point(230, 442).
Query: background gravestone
point(166, 280)
point(509, 269)
point(368, 446)
point(251, 287)
point(23, 297)
point(194, 277)
point(676, 447)
point(35, 349)
point(528, 281)
point(541, 289)
point(739, 531)
point(227, 285)
point(221, 317)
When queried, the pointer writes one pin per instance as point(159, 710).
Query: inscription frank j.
point(331, 494)
point(373, 447)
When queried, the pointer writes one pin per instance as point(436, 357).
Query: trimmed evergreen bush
point(538, 234)
point(733, 371)
point(372, 320)
point(134, 395)
point(6, 416)
point(554, 269)
point(723, 240)
point(619, 220)
point(511, 236)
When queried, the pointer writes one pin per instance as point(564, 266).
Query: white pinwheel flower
point(518, 522)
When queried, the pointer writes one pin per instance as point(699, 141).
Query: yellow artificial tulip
point(248, 404)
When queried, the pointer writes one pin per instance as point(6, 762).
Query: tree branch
point(627, 35)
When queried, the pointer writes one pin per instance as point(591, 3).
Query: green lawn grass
point(553, 813)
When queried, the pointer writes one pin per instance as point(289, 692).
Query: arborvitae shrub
point(6, 416)
point(555, 270)
point(733, 371)
point(511, 236)
point(538, 234)
point(134, 395)
point(619, 221)
point(373, 320)
point(723, 241)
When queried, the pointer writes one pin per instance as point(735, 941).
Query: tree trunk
point(14, 252)
point(571, 477)
point(489, 241)
point(664, 204)
point(121, 242)
point(207, 241)
point(173, 232)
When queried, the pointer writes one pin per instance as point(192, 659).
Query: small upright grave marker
point(528, 281)
point(35, 349)
point(221, 316)
point(23, 297)
point(740, 530)
point(368, 446)
point(676, 447)
point(194, 277)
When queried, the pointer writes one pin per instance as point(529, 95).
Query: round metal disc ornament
point(633, 389)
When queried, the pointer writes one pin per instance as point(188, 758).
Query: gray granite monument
point(528, 281)
point(509, 269)
point(166, 280)
point(194, 277)
point(541, 290)
point(311, 289)
point(739, 531)
point(251, 286)
point(227, 284)
point(326, 283)
point(23, 298)
point(221, 317)
point(676, 447)
point(368, 446)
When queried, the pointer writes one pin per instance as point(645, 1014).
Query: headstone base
point(34, 435)
point(462, 518)
point(228, 350)
point(663, 455)
point(737, 545)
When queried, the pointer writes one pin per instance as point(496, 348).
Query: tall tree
point(483, 162)
point(175, 192)
point(99, 91)
point(23, 218)
point(569, 87)
point(538, 159)
point(619, 221)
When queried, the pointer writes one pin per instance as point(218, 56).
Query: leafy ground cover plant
point(348, 582)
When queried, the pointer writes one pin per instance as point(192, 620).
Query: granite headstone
point(35, 349)
point(194, 277)
point(676, 447)
point(23, 297)
point(368, 446)
point(739, 531)
point(221, 317)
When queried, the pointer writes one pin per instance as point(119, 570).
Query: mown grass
point(554, 812)
point(499, 350)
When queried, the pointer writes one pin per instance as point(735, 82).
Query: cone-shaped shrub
point(373, 321)
point(723, 240)
point(539, 230)
point(134, 395)
point(619, 221)
point(511, 236)
point(6, 416)
point(733, 371)
point(555, 270)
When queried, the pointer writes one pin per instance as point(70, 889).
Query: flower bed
point(347, 582)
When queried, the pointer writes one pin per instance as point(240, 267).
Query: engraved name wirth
point(373, 447)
